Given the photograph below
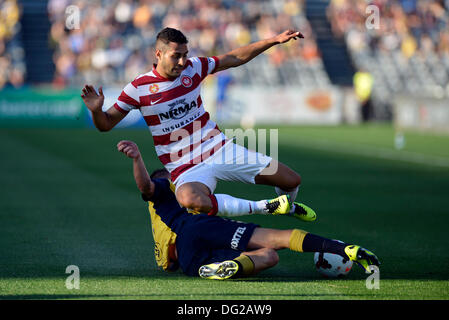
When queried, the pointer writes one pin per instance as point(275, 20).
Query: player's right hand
point(129, 148)
point(92, 100)
point(287, 35)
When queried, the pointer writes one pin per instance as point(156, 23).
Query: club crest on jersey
point(186, 81)
point(154, 88)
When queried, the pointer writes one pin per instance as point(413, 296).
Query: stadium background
point(362, 112)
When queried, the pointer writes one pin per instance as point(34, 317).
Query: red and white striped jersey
point(182, 131)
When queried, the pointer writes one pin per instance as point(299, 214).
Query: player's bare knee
point(187, 201)
point(271, 257)
point(183, 199)
point(294, 181)
point(291, 183)
point(298, 180)
point(191, 201)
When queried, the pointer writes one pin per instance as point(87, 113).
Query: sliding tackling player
point(217, 248)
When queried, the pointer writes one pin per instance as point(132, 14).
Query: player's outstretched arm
point(244, 54)
point(141, 176)
point(104, 121)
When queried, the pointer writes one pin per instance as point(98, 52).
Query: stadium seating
point(119, 47)
point(409, 53)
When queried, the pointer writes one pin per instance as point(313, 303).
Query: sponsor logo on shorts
point(236, 237)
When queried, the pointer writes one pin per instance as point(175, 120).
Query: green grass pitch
point(68, 198)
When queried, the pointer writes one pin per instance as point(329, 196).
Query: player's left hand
point(287, 35)
point(129, 148)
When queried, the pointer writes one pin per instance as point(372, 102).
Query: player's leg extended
point(197, 196)
point(261, 253)
point(286, 181)
point(302, 241)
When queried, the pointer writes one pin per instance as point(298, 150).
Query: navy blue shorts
point(205, 239)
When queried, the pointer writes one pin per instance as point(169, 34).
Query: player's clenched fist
point(129, 148)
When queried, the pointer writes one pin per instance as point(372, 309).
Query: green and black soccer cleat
point(303, 212)
point(282, 206)
point(362, 257)
point(219, 270)
point(279, 205)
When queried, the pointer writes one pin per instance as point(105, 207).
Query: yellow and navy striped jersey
point(166, 217)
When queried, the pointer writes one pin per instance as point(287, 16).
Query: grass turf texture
point(68, 198)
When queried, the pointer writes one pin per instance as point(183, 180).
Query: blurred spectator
point(408, 46)
point(363, 85)
point(12, 66)
point(224, 80)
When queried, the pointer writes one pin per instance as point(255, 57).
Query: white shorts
point(231, 163)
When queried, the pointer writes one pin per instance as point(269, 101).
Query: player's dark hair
point(167, 35)
point(158, 173)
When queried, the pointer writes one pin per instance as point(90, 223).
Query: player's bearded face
point(173, 58)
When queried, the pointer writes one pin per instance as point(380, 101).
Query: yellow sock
point(296, 239)
point(246, 263)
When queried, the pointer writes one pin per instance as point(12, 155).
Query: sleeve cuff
point(120, 109)
point(217, 62)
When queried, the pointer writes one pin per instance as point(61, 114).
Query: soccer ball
point(332, 265)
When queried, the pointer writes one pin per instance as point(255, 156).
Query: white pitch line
point(370, 151)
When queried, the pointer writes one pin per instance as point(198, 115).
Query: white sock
point(292, 195)
point(232, 207)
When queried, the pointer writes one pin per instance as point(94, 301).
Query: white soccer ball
point(331, 265)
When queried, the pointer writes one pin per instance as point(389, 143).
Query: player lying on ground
point(187, 142)
point(218, 248)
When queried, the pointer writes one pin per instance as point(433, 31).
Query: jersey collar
point(158, 75)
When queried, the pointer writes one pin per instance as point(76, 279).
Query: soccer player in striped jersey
point(188, 143)
point(215, 248)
